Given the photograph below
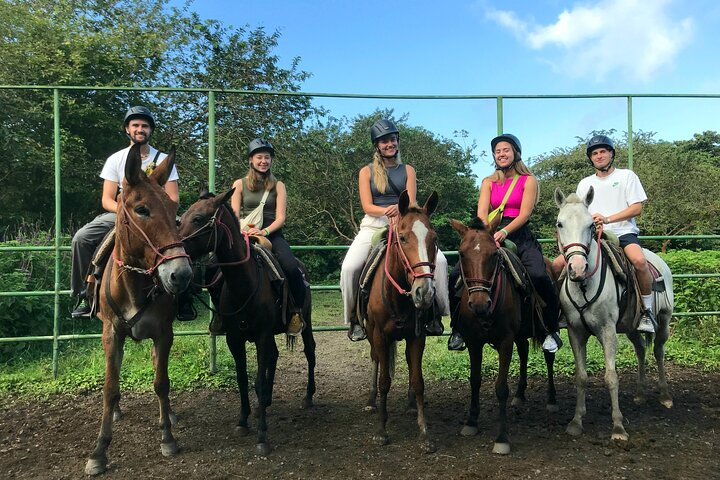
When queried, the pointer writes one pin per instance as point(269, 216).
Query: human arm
point(483, 206)
point(236, 199)
point(631, 211)
point(280, 211)
point(527, 205)
point(171, 188)
point(109, 193)
point(366, 200)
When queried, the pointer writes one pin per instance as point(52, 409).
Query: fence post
point(56, 312)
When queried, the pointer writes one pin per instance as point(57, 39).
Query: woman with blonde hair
point(380, 185)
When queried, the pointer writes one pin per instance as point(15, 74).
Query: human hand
point(391, 211)
point(255, 231)
point(500, 236)
point(599, 219)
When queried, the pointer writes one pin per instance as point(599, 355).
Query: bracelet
point(267, 231)
point(504, 231)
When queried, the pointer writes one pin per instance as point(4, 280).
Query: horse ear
point(225, 197)
point(162, 172)
point(494, 223)
point(559, 197)
point(133, 166)
point(404, 202)
point(431, 203)
point(458, 226)
point(589, 196)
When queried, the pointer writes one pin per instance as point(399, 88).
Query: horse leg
point(309, 350)
point(236, 345)
point(608, 339)
point(416, 348)
point(522, 348)
point(384, 351)
point(161, 354)
point(578, 342)
point(113, 346)
point(551, 405)
point(267, 355)
point(502, 392)
point(661, 336)
point(411, 397)
point(638, 343)
point(372, 396)
point(475, 351)
point(117, 411)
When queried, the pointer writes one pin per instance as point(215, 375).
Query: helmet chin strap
point(505, 169)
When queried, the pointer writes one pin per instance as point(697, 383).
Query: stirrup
point(456, 342)
point(434, 328)
point(356, 333)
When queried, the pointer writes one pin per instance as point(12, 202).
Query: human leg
point(636, 256)
point(84, 243)
point(350, 277)
point(455, 341)
point(296, 282)
point(434, 325)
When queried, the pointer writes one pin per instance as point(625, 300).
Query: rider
point(139, 125)
point(248, 195)
point(619, 198)
point(506, 150)
point(380, 185)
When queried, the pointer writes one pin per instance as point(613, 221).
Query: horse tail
point(392, 358)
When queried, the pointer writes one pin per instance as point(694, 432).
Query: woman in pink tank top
point(514, 226)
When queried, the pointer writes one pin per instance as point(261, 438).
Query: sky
point(492, 47)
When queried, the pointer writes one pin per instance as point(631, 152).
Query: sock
point(648, 301)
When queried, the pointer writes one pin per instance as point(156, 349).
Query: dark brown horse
point(148, 266)
point(248, 304)
point(495, 310)
point(401, 295)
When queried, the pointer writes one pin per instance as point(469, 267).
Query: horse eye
point(142, 211)
point(198, 220)
point(559, 225)
point(402, 239)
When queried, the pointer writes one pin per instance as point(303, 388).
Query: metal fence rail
point(57, 291)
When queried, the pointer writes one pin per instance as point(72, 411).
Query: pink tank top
point(512, 206)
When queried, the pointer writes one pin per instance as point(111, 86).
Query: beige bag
point(254, 218)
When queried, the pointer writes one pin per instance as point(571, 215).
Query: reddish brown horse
point(248, 304)
point(495, 310)
point(401, 295)
point(147, 268)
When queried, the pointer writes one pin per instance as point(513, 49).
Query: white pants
point(355, 260)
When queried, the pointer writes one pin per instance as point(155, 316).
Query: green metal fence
point(57, 291)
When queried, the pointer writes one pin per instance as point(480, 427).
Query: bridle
point(160, 258)
point(394, 241)
point(484, 285)
point(584, 249)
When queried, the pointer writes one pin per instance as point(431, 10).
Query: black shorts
point(628, 239)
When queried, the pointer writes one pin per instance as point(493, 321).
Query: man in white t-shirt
point(139, 125)
point(619, 198)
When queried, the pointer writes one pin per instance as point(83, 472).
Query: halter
point(409, 269)
point(159, 257)
point(585, 250)
point(485, 286)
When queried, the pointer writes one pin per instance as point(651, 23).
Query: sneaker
point(82, 309)
point(552, 343)
point(434, 327)
point(456, 342)
point(186, 310)
point(356, 332)
point(647, 322)
point(296, 325)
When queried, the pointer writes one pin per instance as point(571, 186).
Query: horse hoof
point(263, 449)
point(619, 435)
point(552, 407)
point(95, 467)
point(370, 408)
point(427, 447)
point(468, 431)
point(639, 400)
point(242, 430)
point(666, 402)
point(574, 429)
point(307, 403)
point(381, 440)
point(517, 402)
point(169, 449)
point(501, 448)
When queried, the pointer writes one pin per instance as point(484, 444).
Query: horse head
point(575, 231)
point(415, 244)
point(200, 226)
point(146, 230)
point(480, 266)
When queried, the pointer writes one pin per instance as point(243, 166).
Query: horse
point(494, 309)
point(248, 304)
point(148, 266)
point(590, 296)
point(402, 293)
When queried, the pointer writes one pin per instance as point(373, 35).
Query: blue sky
point(490, 47)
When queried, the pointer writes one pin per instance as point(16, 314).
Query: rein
point(585, 250)
point(485, 286)
point(405, 262)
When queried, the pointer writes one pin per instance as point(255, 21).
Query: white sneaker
point(646, 325)
point(550, 345)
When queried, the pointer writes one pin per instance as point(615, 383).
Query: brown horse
point(248, 304)
point(148, 266)
point(402, 293)
point(495, 310)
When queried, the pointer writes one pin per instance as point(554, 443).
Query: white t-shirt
point(114, 169)
point(613, 194)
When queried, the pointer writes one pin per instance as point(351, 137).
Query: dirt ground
point(51, 439)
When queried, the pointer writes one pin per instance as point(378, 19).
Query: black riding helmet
point(139, 112)
point(599, 141)
point(381, 128)
point(258, 145)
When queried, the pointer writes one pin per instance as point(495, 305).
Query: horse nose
point(479, 308)
point(181, 278)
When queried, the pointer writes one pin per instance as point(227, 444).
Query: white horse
point(589, 299)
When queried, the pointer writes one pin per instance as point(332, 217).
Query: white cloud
point(632, 38)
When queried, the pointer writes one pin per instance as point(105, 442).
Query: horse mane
point(204, 195)
point(415, 208)
point(477, 224)
point(574, 198)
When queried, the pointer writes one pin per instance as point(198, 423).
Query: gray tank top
point(250, 201)
point(398, 176)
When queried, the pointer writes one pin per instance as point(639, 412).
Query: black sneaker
point(186, 310)
point(456, 342)
point(82, 309)
point(434, 328)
